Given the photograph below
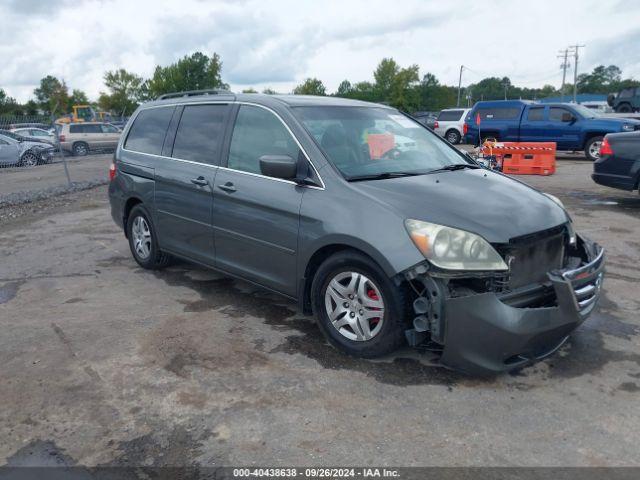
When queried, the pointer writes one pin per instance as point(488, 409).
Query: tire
point(143, 239)
point(453, 136)
point(386, 333)
point(80, 149)
point(29, 159)
point(592, 148)
point(624, 108)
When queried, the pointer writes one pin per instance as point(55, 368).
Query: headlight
point(453, 249)
point(627, 128)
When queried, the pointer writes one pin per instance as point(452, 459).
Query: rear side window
point(200, 133)
point(148, 130)
point(450, 115)
point(536, 114)
point(258, 132)
point(92, 128)
point(76, 129)
point(498, 113)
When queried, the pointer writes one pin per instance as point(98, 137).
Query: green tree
point(125, 92)
point(8, 105)
point(249, 90)
point(384, 76)
point(311, 86)
point(78, 97)
point(191, 72)
point(52, 95)
point(344, 89)
point(269, 91)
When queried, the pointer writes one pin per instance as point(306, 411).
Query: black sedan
point(619, 162)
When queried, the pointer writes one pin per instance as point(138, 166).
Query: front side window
point(200, 133)
point(148, 130)
point(109, 129)
point(556, 114)
point(258, 132)
point(363, 141)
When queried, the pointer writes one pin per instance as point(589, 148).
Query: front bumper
point(483, 335)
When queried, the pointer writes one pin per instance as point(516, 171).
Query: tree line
point(400, 87)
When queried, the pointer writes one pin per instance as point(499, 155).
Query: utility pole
point(564, 65)
point(505, 84)
point(459, 85)
point(575, 70)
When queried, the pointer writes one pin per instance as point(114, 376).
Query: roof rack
point(195, 93)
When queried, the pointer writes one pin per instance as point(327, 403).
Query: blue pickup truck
point(573, 127)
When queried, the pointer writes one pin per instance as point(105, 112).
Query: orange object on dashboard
point(379, 144)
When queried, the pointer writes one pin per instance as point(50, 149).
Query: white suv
point(450, 123)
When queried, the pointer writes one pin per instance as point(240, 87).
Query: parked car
point(84, 137)
point(619, 162)
point(626, 100)
point(573, 127)
point(37, 134)
point(17, 151)
point(428, 119)
point(450, 124)
point(384, 249)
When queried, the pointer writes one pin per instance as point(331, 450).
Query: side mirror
point(567, 117)
point(279, 166)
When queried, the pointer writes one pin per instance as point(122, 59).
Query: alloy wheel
point(355, 306)
point(594, 149)
point(141, 237)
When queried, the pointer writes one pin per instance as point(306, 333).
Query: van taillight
point(465, 128)
point(605, 148)
point(435, 125)
point(112, 172)
point(62, 138)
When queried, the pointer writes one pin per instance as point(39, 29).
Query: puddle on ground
point(9, 290)
point(595, 200)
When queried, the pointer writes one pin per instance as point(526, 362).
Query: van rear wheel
point(453, 136)
point(143, 240)
point(592, 148)
point(359, 309)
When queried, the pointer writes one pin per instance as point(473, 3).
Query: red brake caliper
point(371, 293)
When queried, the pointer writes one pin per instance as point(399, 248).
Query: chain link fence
point(39, 158)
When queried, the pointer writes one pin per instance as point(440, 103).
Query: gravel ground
point(103, 363)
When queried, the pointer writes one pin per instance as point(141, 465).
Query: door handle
point(228, 187)
point(200, 181)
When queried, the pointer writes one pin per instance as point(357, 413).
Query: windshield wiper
point(455, 166)
point(382, 176)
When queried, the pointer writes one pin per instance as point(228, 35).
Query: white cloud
point(278, 43)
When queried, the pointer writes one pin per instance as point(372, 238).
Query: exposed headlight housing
point(453, 249)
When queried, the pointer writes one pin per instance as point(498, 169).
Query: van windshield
point(370, 141)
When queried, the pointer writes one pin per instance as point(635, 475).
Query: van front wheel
point(359, 309)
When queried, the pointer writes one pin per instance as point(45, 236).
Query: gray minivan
point(311, 197)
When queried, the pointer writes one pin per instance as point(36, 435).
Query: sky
point(278, 44)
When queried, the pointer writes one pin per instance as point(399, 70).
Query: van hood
point(489, 204)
